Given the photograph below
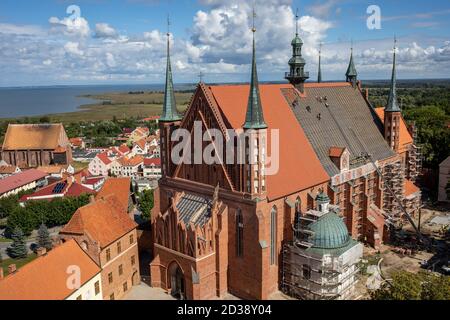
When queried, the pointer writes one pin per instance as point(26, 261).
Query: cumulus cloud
point(219, 45)
point(70, 26)
point(104, 30)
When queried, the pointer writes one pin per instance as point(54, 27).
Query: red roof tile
point(152, 161)
point(336, 152)
point(45, 278)
point(120, 187)
point(405, 136)
point(104, 158)
point(21, 179)
point(299, 166)
point(105, 221)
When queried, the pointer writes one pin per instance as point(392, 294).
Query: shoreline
point(109, 105)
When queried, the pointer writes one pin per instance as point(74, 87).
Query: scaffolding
point(393, 191)
point(414, 157)
point(311, 276)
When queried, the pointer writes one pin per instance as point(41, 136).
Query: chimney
point(12, 268)
point(41, 251)
point(2, 275)
point(91, 199)
point(367, 94)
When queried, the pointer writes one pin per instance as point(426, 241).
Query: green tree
point(18, 248)
point(435, 287)
point(409, 286)
point(146, 203)
point(44, 240)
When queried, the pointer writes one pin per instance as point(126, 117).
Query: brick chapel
point(220, 228)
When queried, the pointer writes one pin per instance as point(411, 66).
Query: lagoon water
point(34, 101)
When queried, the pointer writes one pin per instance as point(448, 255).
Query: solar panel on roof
point(59, 187)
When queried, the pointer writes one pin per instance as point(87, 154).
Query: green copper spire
point(351, 73)
point(319, 74)
point(392, 105)
point(254, 118)
point(170, 113)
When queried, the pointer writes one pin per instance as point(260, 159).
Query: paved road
point(4, 245)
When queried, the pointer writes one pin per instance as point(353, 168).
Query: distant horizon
point(195, 83)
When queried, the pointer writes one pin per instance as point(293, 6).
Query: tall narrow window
point(239, 234)
point(273, 236)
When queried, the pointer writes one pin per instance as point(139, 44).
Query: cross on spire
point(168, 25)
point(254, 17)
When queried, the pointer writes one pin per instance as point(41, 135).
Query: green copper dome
point(297, 40)
point(330, 232)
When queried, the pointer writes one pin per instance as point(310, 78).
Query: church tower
point(393, 113)
point(297, 75)
point(255, 129)
point(351, 74)
point(170, 119)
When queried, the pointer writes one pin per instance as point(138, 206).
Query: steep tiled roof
point(141, 143)
point(152, 161)
point(124, 149)
point(299, 166)
point(339, 116)
point(336, 152)
point(120, 187)
point(405, 136)
point(104, 158)
point(32, 136)
point(20, 180)
point(105, 220)
point(45, 278)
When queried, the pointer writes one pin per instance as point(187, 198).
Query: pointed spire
point(296, 22)
point(170, 112)
point(254, 118)
point(392, 105)
point(319, 74)
point(351, 73)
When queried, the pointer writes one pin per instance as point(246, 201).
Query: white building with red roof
point(27, 180)
point(152, 168)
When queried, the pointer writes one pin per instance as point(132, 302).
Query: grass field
point(18, 262)
point(121, 106)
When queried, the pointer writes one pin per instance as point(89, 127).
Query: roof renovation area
point(194, 209)
point(338, 116)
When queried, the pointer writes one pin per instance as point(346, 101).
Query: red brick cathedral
point(221, 228)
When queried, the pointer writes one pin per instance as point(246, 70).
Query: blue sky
point(122, 41)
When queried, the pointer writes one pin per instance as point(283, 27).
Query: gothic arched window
point(273, 236)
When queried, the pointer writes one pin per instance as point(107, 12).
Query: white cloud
point(72, 27)
point(73, 48)
point(104, 30)
point(219, 45)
